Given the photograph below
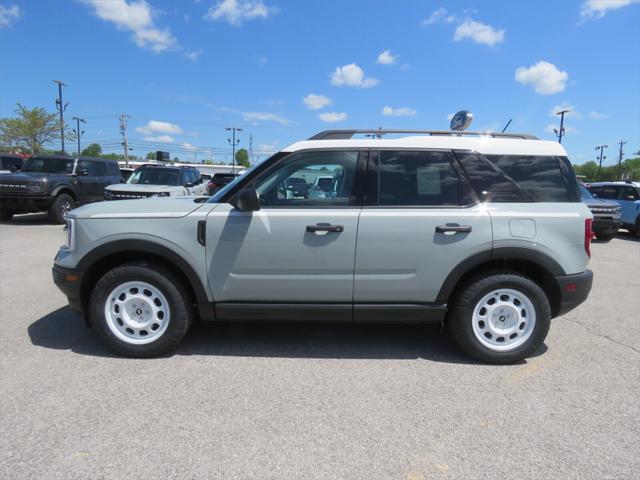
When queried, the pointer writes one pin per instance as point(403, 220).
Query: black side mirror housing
point(247, 200)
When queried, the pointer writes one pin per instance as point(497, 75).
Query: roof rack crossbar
point(346, 134)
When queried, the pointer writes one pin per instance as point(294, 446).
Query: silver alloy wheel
point(137, 312)
point(503, 319)
point(65, 207)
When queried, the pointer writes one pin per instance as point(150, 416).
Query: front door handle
point(325, 227)
point(453, 228)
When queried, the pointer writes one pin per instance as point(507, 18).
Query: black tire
point(179, 301)
point(5, 215)
point(605, 237)
point(460, 318)
point(60, 206)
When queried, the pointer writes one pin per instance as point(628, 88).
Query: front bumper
point(69, 280)
point(25, 203)
point(574, 289)
point(605, 224)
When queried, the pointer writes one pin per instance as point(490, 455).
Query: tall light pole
point(77, 131)
point(560, 133)
point(620, 154)
point(601, 148)
point(61, 108)
point(125, 142)
point(233, 143)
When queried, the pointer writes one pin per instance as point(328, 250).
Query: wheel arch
point(107, 256)
point(535, 265)
point(63, 189)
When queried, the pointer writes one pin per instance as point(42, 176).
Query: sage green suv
point(484, 233)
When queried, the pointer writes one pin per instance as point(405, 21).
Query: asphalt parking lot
point(313, 401)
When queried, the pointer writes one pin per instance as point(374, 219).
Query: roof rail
point(346, 134)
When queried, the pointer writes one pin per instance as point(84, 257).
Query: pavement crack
point(598, 334)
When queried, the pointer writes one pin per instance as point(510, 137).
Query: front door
point(415, 227)
point(300, 247)
point(90, 177)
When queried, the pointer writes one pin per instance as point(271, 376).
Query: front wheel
point(141, 310)
point(500, 317)
point(60, 207)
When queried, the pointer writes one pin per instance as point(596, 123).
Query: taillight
point(588, 235)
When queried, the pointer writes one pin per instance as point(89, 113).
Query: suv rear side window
point(414, 178)
point(539, 176)
point(607, 191)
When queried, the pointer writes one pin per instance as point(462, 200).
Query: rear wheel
point(141, 310)
point(605, 237)
point(500, 317)
point(60, 207)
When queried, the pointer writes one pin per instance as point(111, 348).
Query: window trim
point(371, 196)
point(355, 201)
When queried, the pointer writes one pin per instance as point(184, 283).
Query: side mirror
point(247, 200)
point(629, 197)
point(188, 184)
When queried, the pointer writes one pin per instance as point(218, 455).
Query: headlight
point(70, 230)
point(34, 187)
point(161, 194)
point(108, 194)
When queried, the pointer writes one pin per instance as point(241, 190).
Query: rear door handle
point(453, 228)
point(325, 227)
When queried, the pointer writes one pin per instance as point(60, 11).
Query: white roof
point(482, 144)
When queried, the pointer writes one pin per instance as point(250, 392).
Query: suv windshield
point(155, 176)
point(584, 193)
point(49, 165)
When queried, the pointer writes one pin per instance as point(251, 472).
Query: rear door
point(297, 248)
point(417, 224)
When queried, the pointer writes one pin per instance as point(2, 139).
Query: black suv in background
point(55, 184)
point(10, 162)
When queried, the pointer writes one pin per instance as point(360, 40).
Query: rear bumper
point(574, 289)
point(68, 280)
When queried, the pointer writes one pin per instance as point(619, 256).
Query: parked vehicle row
point(486, 235)
point(158, 181)
point(625, 194)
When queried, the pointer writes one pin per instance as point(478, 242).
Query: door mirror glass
point(247, 200)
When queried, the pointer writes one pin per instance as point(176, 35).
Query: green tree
point(589, 170)
point(31, 129)
point(242, 158)
point(92, 150)
point(151, 156)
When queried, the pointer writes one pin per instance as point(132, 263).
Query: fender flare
point(147, 246)
point(63, 186)
point(501, 253)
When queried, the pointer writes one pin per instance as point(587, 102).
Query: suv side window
point(113, 168)
point(329, 175)
point(94, 169)
point(414, 178)
point(629, 194)
point(610, 192)
point(489, 183)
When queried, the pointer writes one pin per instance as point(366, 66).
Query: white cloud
point(386, 58)
point(478, 32)
point(544, 77)
point(567, 128)
point(316, 102)
point(332, 117)
point(188, 146)
point(136, 17)
point(597, 116)
point(595, 9)
point(195, 55)
point(398, 112)
point(9, 14)
point(439, 15)
point(161, 139)
point(235, 12)
point(572, 113)
point(156, 126)
point(351, 75)
point(254, 117)
point(268, 147)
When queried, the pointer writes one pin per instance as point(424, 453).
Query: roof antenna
point(507, 125)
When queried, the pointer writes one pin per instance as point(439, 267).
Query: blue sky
point(185, 70)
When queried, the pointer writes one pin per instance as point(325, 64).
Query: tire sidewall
point(462, 318)
point(177, 298)
point(54, 211)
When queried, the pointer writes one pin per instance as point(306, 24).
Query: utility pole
point(125, 142)
point(560, 133)
point(233, 143)
point(61, 108)
point(621, 143)
point(77, 131)
point(251, 148)
point(601, 147)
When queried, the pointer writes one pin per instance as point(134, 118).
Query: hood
point(163, 207)
point(25, 177)
point(137, 187)
point(599, 202)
